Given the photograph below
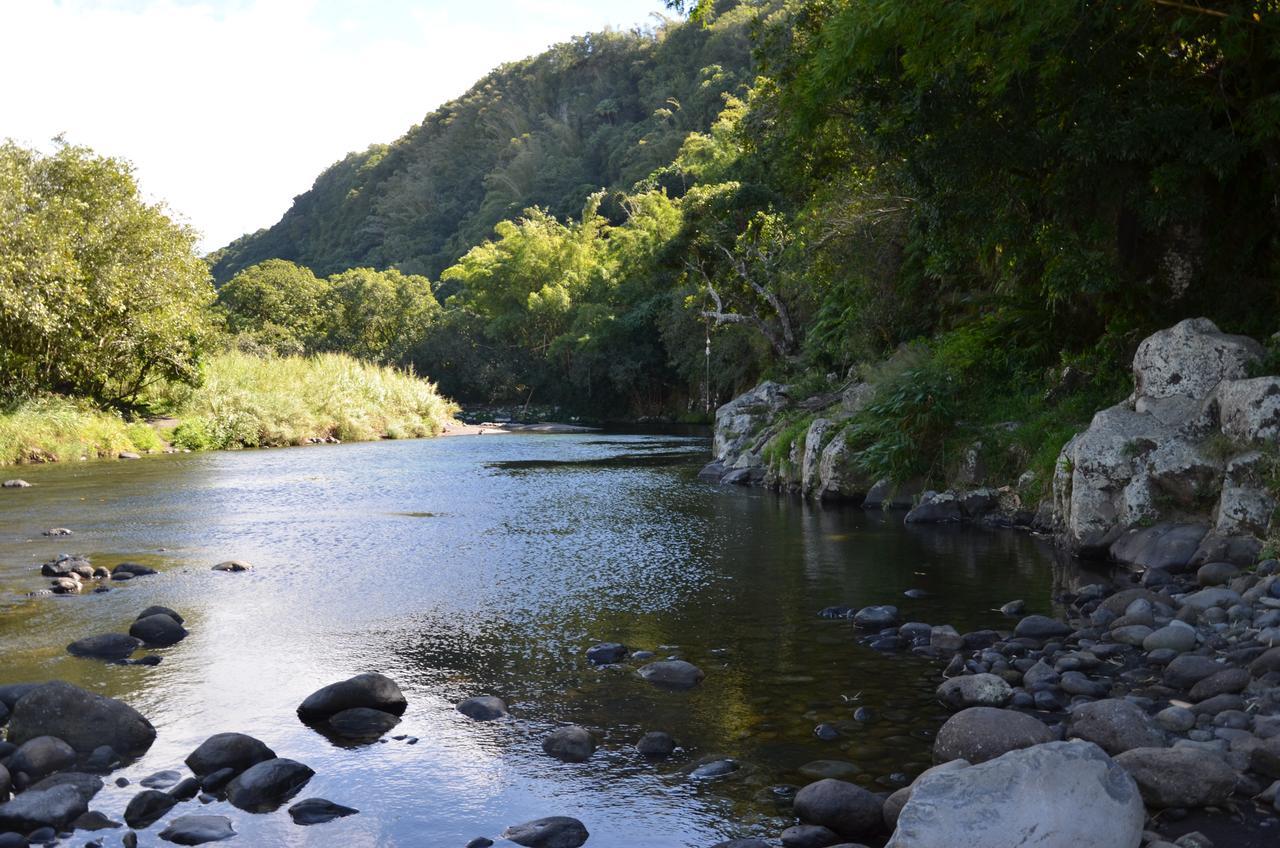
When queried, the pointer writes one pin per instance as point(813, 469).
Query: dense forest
point(978, 208)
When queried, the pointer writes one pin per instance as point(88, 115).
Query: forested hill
point(602, 110)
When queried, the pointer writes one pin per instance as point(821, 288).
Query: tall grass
point(244, 400)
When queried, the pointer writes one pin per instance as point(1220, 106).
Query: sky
point(230, 108)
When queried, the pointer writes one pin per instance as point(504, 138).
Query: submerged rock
point(197, 830)
point(1058, 793)
point(571, 744)
point(483, 708)
point(318, 811)
point(656, 744)
point(606, 653)
point(108, 646)
point(672, 674)
point(362, 723)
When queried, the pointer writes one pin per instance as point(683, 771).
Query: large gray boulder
point(1145, 461)
point(839, 477)
point(236, 751)
point(551, 832)
point(975, 690)
point(1179, 777)
point(741, 419)
point(1058, 793)
point(373, 691)
point(1114, 725)
point(82, 719)
point(55, 807)
point(811, 460)
point(979, 734)
point(265, 786)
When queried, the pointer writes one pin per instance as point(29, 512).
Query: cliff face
point(1184, 472)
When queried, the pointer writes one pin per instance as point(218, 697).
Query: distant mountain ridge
point(602, 110)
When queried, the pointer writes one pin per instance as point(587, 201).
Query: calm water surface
point(477, 565)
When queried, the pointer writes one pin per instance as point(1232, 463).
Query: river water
point(487, 565)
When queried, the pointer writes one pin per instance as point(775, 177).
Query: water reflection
point(525, 550)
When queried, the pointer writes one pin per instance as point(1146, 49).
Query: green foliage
point(47, 428)
point(276, 303)
point(101, 294)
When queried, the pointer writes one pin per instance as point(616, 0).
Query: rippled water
point(478, 565)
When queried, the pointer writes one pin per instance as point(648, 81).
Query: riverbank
point(242, 401)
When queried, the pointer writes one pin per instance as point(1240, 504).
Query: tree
point(101, 294)
point(376, 315)
point(276, 303)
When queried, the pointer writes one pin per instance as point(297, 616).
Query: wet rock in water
point(146, 808)
point(186, 789)
point(1114, 725)
point(235, 751)
point(1070, 793)
point(714, 769)
point(551, 832)
point(916, 594)
point(197, 830)
point(161, 779)
point(318, 811)
point(656, 744)
point(480, 842)
point(233, 566)
point(56, 807)
point(1041, 627)
point(570, 744)
point(159, 610)
point(1014, 608)
point(108, 646)
point(158, 630)
point(128, 455)
point(87, 785)
point(373, 691)
point(216, 781)
point(1179, 777)
point(979, 734)
point(94, 820)
point(975, 690)
point(606, 653)
point(874, 618)
point(826, 732)
point(483, 708)
point(42, 756)
point(15, 484)
point(82, 719)
point(266, 785)
point(809, 836)
point(361, 723)
point(846, 808)
point(750, 842)
point(134, 569)
point(672, 674)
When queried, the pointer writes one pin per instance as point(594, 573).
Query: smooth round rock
point(84, 720)
point(373, 691)
point(146, 808)
point(265, 786)
point(672, 674)
point(159, 630)
point(318, 811)
point(362, 723)
point(656, 744)
point(979, 734)
point(570, 744)
point(1114, 725)
point(1179, 777)
point(42, 756)
point(197, 830)
point(845, 808)
point(107, 646)
point(551, 832)
point(1172, 637)
point(234, 751)
point(233, 566)
point(483, 708)
point(606, 653)
point(975, 690)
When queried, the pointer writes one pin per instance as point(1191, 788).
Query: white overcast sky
point(230, 108)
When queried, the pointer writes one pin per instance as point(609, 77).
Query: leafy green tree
point(276, 303)
point(101, 293)
point(376, 315)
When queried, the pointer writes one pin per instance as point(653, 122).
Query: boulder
point(809, 836)
point(1058, 793)
point(266, 785)
point(606, 653)
point(975, 690)
point(108, 646)
point(1187, 670)
point(1164, 546)
point(811, 459)
point(1114, 725)
point(233, 566)
point(1179, 777)
point(197, 830)
point(876, 617)
point(846, 808)
point(374, 691)
point(1041, 627)
point(159, 630)
point(570, 744)
point(146, 808)
point(56, 807)
point(979, 734)
point(133, 569)
point(1249, 409)
point(88, 785)
point(483, 708)
point(318, 811)
point(672, 674)
point(740, 422)
point(42, 756)
point(839, 476)
point(656, 744)
point(551, 832)
point(235, 751)
point(83, 720)
point(159, 610)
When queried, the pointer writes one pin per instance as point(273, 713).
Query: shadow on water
point(517, 573)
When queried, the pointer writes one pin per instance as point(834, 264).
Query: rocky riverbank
point(1184, 472)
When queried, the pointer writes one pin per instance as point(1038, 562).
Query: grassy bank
point(242, 401)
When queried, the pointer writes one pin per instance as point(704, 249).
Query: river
point(487, 565)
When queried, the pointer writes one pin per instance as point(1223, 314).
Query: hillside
point(602, 110)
